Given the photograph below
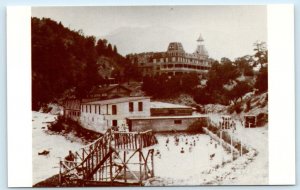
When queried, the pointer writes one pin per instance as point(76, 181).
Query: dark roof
point(105, 89)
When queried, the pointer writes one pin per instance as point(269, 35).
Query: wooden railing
point(132, 140)
point(95, 160)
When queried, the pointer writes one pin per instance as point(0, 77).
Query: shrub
point(261, 119)
point(235, 108)
point(248, 105)
point(238, 108)
point(262, 80)
point(213, 128)
point(197, 126)
point(238, 147)
point(57, 125)
point(67, 125)
point(230, 109)
point(45, 108)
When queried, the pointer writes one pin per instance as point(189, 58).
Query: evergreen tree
point(115, 49)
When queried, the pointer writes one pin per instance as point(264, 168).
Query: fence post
point(110, 166)
point(241, 148)
point(59, 176)
point(125, 179)
point(140, 162)
point(231, 146)
point(152, 162)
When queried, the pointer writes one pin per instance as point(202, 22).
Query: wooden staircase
point(110, 159)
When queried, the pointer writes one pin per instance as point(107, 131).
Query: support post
point(59, 176)
point(145, 168)
point(241, 148)
point(220, 147)
point(231, 146)
point(110, 167)
point(152, 163)
point(140, 162)
point(221, 140)
point(125, 179)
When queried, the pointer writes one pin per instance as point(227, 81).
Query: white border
point(19, 125)
point(281, 95)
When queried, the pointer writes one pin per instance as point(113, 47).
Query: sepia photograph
point(149, 95)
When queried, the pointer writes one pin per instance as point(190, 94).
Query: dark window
point(140, 106)
point(95, 109)
point(177, 121)
point(130, 106)
point(115, 123)
point(99, 109)
point(129, 123)
point(171, 112)
point(114, 110)
point(90, 108)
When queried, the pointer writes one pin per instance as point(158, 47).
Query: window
point(171, 112)
point(115, 123)
point(130, 106)
point(95, 109)
point(140, 106)
point(177, 121)
point(99, 107)
point(90, 108)
point(114, 109)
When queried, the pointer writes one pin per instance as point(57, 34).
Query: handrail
point(123, 132)
point(88, 145)
point(94, 154)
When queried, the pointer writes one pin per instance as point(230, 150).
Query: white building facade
point(101, 115)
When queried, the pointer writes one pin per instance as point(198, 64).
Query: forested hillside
point(64, 59)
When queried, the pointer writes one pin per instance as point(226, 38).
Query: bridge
point(116, 158)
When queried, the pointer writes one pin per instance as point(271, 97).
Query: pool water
point(186, 157)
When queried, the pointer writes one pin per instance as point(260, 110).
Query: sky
point(228, 31)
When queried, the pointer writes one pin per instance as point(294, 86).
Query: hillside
point(64, 59)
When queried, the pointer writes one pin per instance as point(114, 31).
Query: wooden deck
point(109, 159)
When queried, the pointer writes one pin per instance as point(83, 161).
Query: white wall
point(100, 122)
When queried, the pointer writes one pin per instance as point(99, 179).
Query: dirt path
point(255, 172)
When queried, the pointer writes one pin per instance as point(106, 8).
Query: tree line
point(64, 59)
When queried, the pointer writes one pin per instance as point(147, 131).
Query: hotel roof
point(118, 100)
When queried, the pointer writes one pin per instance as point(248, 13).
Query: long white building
point(99, 115)
point(131, 113)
